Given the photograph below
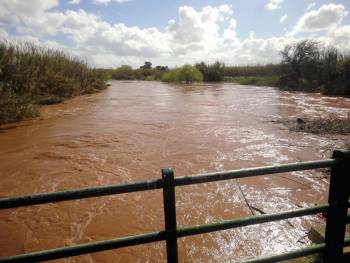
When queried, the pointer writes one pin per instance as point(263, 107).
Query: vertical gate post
point(170, 214)
point(338, 202)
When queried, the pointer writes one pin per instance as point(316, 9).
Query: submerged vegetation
point(325, 125)
point(32, 75)
point(186, 74)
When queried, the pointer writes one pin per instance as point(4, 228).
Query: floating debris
point(320, 125)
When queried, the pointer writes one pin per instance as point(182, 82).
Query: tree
point(162, 68)
point(123, 72)
point(147, 65)
point(189, 74)
point(300, 65)
point(215, 72)
point(212, 72)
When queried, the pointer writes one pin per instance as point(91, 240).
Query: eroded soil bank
point(129, 132)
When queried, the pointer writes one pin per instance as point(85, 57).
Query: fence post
point(170, 214)
point(338, 202)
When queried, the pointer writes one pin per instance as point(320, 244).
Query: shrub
point(124, 72)
point(151, 78)
point(212, 72)
point(300, 65)
point(185, 74)
point(32, 74)
point(14, 108)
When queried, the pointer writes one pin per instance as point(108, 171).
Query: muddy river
point(133, 129)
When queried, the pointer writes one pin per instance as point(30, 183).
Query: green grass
point(271, 81)
point(32, 75)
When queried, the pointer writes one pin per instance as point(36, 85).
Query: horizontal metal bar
point(43, 198)
point(290, 255)
point(319, 248)
point(159, 236)
point(12, 202)
point(251, 220)
point(86, 248)
point(234, 174)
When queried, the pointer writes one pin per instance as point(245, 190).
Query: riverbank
point(31, 76)
point(269, 81)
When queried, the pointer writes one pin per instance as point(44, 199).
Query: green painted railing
point(335, 211)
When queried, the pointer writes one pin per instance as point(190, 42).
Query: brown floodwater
point(133, 129)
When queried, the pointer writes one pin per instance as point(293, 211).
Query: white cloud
point(105, 2)
point(31, 18)
point(325, 18)
point(74, 2)
point(283, 18)
point(3, 34)
point(340, 37)
point(196, 27)
point(274, 4)
point(310, 6)
point(206, 34)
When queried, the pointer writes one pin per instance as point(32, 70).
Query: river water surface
point(133, 129)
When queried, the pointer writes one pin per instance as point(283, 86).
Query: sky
point(110, 33)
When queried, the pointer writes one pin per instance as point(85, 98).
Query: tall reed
point(31, 75)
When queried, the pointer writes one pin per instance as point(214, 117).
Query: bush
point(150, 78)
point(32, 75)
point(185, 74)
point(124, 72)
point(300, 65)
point(104, 74)
point(211, 72)
point(14, 108)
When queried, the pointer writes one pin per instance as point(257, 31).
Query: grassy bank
point(271, 81)
point(31, 76)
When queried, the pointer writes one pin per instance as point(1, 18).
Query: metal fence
point(335, 211)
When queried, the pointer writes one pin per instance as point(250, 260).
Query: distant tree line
point(304, 66)
point(126, 72)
